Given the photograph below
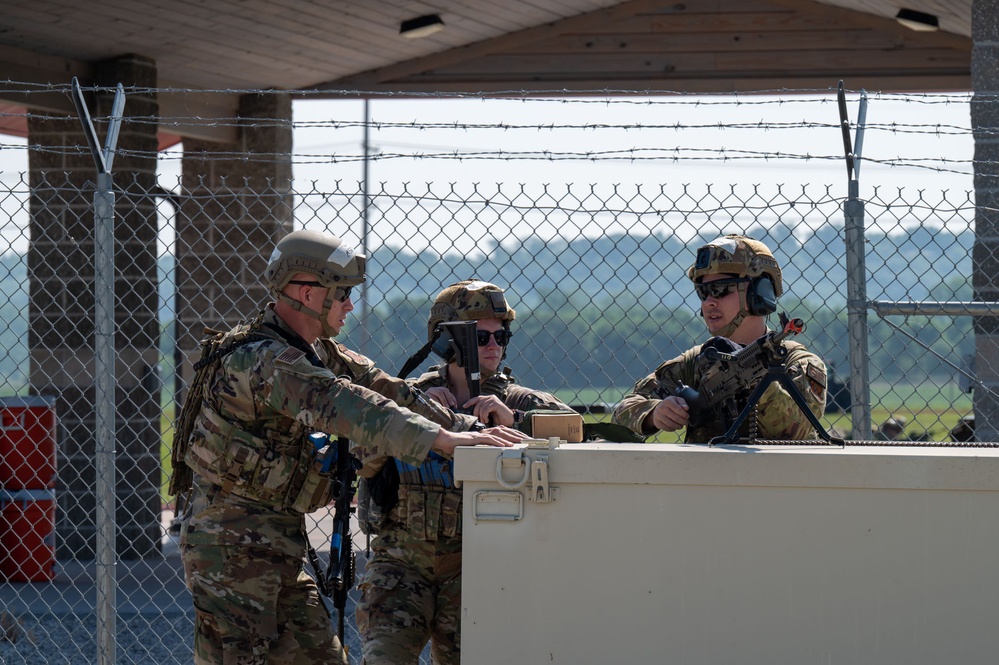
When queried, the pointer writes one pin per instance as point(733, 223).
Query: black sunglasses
point(502, 336)
point(340, 294)
point(718, 288)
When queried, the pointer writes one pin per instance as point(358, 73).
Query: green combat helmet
point(469, 300)
point(335, 264)
point(744, 257)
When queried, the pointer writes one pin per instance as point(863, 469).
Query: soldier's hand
point(670, 414)
point(502, 437)
point(486, 407)
point(443, 396)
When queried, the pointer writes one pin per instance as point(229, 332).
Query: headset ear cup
point(760, 296)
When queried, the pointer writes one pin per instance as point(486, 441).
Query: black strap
point(416, 359)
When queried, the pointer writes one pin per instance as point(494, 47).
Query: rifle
point(452, 340)
point(337, 580)
point(733, 381)
point(462, 341)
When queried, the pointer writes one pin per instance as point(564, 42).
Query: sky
point(914, 142)
point(583, 145)
point(672, 139)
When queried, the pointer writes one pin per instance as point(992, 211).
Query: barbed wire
point(386, 151)
point(181, 122)
point(663, 155)
point(605, 96)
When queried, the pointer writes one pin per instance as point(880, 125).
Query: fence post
point(856, 309)
point(104, 374)
point(856, 275)
point(365, 345)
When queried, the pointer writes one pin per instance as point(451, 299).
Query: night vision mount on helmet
point(743, 257)
point(469, 300)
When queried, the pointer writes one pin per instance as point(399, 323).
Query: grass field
point(928, 409)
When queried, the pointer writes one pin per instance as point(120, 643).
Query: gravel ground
point(56, 623)
point(161, 639)
point(71, 639)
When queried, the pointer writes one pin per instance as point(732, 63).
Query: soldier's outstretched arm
point(502, 437)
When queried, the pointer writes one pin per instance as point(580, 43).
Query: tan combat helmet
point(745, 257)
point(334, 263)
point(469, 300)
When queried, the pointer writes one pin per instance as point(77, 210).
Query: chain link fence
point(596, 274)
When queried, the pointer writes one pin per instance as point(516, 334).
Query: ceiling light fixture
point(919, 21)
point(421, 26)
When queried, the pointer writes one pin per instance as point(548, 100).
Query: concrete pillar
point(985, 254)
point(236, 202)
point(61, 310)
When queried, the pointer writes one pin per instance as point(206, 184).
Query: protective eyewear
point(502, 336)
point(718, 288)
point(340, 293)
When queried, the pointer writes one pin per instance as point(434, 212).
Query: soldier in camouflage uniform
point(411, 591)
point(260, 391)
point(738, 282)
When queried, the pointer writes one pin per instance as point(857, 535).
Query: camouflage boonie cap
point(470, 300)
point(330, 259)
point(738, 255)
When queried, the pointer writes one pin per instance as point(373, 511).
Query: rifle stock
point(465, 347)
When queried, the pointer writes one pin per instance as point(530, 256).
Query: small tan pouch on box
point(566, 426)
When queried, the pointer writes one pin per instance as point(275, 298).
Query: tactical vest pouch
point(250, 468)
point(384, 487)
point(416, 512)
point(316, 490)
point(432, 513)
point(212, 352)
point(429, 513)
point(371, 517)
point(451, 515)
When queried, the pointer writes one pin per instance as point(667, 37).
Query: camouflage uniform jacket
point(362, 372)
point(274, 390)
point(778, 415)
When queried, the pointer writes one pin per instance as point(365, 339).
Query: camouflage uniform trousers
point(411, 593)
point(256, 606)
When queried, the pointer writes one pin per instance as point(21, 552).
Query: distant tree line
point(603, 312)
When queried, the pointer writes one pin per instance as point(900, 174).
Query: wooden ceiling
point(694, 46)
point(350, 47)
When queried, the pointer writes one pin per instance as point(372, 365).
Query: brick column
point(236, 202)
point(985, 255)
point(61, 311)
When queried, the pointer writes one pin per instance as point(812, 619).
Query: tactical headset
point(760, 296)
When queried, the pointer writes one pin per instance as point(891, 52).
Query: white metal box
point(658, 553)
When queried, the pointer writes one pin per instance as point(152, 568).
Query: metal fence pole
point(105, 415)
point(104, 372)
point(856, 308)
point(365, 233)
point(856, 274)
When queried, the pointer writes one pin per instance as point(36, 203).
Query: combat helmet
point(738, 255)
point(334, 263)
point(469, 300)
point(744, 257)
